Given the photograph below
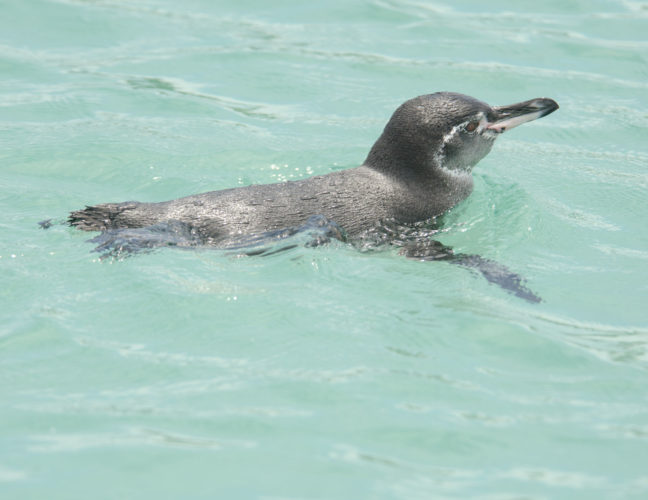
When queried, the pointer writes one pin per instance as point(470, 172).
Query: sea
point(327, 371)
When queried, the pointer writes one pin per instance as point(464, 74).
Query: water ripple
point(138, 351)
point(132, 437)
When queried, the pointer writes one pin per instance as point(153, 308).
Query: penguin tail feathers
point(100, 217)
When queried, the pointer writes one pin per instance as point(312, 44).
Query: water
point(321, 373)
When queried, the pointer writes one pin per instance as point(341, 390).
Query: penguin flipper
point(492, 271)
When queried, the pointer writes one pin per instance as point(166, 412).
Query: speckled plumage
point(419, 168)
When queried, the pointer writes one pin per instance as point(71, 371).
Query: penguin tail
point(100, 217)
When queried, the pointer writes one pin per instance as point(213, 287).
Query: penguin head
point(447, 132)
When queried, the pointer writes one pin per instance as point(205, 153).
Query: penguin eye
point(472, 126)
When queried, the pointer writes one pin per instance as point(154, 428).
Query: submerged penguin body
point(419, 168)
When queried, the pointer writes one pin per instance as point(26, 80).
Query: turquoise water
point(321, 373)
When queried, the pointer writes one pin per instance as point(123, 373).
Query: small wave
point(249, 109)
point(578, 217)
point(617, 344)
point(139, 352)
point(128, 438)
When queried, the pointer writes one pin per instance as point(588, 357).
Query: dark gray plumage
point(419, 168)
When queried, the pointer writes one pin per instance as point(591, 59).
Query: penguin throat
point(461, 163)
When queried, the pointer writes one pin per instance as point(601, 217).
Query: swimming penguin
point(419, 168)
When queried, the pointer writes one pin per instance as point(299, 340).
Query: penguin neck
point(399, 158)
point(421, 172)
point(413, 162)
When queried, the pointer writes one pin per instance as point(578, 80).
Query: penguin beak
point(508, 117)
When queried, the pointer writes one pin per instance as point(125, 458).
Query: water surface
point(321, 373)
